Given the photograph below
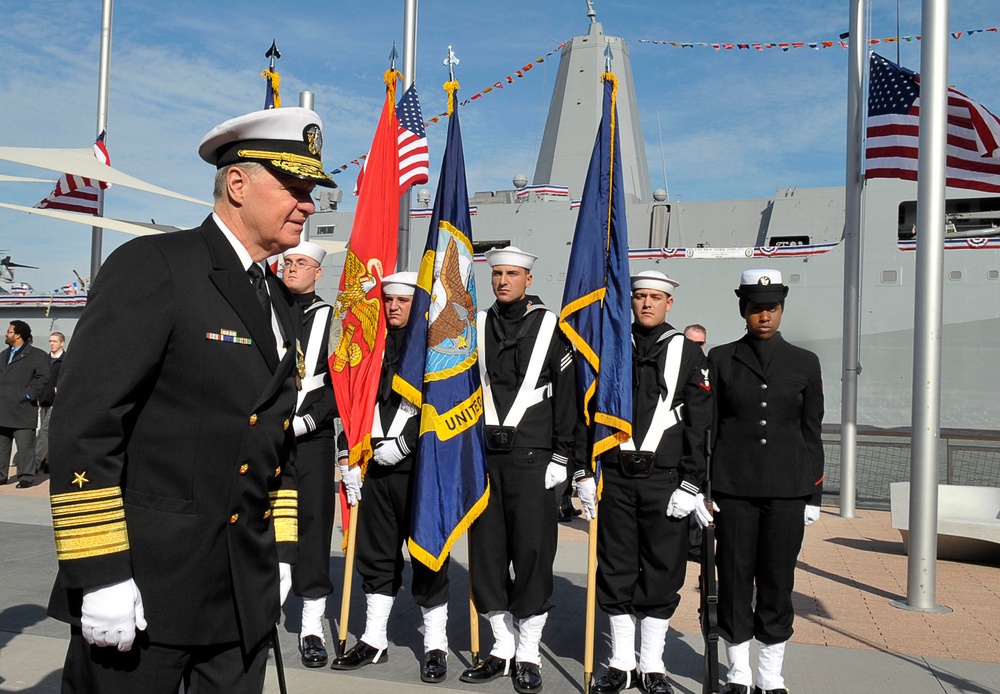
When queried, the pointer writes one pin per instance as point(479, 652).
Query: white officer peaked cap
point(308, 249)
point(654, 279)
point(287, 140)
point(511, 255)
point(762, 286)
point(400, 284)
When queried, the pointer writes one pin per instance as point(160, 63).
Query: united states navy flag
point(596, 316)
point(438, 372)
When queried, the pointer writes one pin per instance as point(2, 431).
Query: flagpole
point(409, 75)
point(588, 648)
point(850, 357)
point(921, 574)
point(473, 614)
point(103, 93)
point(345, 600)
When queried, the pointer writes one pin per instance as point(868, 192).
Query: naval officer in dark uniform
point(651, 485)
point(173, 490)
point(767, 477)
point(316, 457)
point(530, 411)
point(384, 523)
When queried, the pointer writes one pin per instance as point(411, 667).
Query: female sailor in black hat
point(767, 476)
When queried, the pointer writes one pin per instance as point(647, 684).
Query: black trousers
point(315, 464)
point(518, 530)
point(758, 543)
point(383, 527)
point(153, 668)
point(641, 554)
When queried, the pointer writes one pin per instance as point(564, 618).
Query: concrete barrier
point(968, 520)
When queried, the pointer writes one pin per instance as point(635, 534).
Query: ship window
point(483, 246)
point(993, 274)
point(794, 278)
point(326, 230)
point(955, 275)
point(890, 277)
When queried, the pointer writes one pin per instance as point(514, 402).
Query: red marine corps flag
point(356, 361)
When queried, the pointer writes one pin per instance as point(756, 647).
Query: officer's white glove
point(299, 426)
point(350, 477)
point(812, 514)
point(554, 474)
point(111, 615)
point(681, 504)
point(586, 492)
point(391, 451)
point(284, 580)
point(701, 512)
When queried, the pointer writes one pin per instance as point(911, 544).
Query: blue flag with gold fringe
point(438, 372)
point(596, 314)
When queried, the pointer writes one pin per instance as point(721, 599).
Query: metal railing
point(883, 457)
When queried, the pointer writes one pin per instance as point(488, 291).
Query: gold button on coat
point(253, 419)
point(277, 471)
point(233, 518)
point(284, 426)
point(267, 514)
point(243, 468)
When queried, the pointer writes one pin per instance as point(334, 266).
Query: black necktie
point(257, 280)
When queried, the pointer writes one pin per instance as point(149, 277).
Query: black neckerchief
point(393, 350)
point(305, 299)
point(646, 351)
point(509, 329)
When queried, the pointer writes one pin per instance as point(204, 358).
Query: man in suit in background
point(171, 451)
point(56, 343)
point(24, 373)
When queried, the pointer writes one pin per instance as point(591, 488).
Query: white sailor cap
point(400, 284)
point(511, 255)
point(307, 249)
point(762, 286)
point(654, 279)
point(287, 140)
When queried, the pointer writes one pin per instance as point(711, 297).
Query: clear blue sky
point(734, 124)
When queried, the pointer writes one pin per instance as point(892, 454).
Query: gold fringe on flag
point(275, 85)
point(451, 87)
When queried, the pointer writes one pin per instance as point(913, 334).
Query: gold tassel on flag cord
point(451, 87)
point(275, 79)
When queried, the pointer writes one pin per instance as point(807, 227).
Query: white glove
point(681, 504)
point(586, 492)
point(812, 514)
point(350, 477)
point(284, 580)
point(554, 474)
point(701, 512)
point(391, 451)
point(111, 614)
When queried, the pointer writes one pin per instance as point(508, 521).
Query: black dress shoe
point(527, 678)
point(23, 484)
point(487, 670)
point(656, 683)
point(435, 667)
point(362, 654)
point(313, 652)
point(615, 680)
point(732, 688)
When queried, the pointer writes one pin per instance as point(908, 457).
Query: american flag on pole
point(893, 124)
point(414, 160)
point(79, 193)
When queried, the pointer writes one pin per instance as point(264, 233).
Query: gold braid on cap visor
point(295, 164)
